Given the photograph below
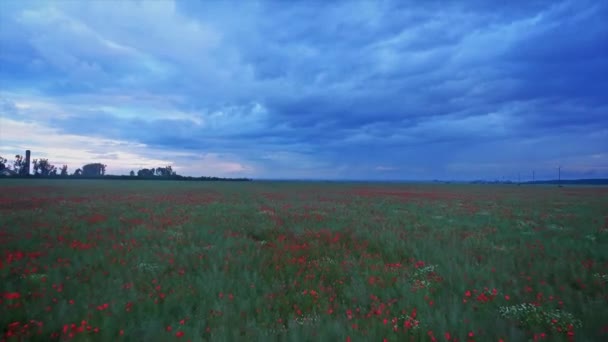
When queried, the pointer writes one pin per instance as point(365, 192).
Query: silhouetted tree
point(19, 165)
point(42, 167)
point(95, 169)
point(145, 173)
point(132, 173)
point(165, 171)
point(78, 172)
point(64, 170)
point(3, 164)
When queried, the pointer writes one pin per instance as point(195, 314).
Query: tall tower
point(26, 170)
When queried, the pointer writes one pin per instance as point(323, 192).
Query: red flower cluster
point(103, 306)
point(11, 295)
point(483, 296)
point(21, 330)
point(71, 330)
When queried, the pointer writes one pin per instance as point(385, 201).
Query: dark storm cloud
point(340, 89)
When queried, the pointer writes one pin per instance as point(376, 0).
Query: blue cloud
point(337, 90)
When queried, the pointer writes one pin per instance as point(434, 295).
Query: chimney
point(27, 162)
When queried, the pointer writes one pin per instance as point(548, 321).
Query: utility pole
point(518, 178)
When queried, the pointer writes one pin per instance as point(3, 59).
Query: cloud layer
point(344, 90)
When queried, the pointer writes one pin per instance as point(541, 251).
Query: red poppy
point(11, 295)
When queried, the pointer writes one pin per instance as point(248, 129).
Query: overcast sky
point(309, 89)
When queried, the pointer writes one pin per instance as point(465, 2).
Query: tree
point(19, 165)
point(95, 169)
point(64, 170)
point(78, 172)
point(145, 173)
point(132, 173)
point(165, 171)
point(3, 163)
point(42, 167)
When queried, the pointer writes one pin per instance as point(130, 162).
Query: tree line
point(43, 168)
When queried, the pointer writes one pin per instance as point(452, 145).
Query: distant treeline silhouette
point(42, 168)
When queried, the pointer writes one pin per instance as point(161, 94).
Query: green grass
point(144, 260)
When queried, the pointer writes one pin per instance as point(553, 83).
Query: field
point(157, 261)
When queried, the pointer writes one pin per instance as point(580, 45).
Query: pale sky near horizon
point(317, 90)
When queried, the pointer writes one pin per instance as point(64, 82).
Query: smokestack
point(27, 162)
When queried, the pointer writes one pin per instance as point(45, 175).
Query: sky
point(371, 90)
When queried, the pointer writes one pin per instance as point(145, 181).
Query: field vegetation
point(155, 261)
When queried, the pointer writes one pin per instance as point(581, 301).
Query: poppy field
point(94, 260)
